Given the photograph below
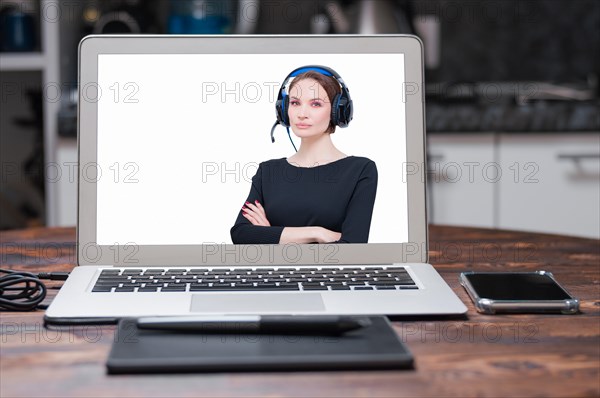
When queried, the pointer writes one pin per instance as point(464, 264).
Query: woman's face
point(309, 109)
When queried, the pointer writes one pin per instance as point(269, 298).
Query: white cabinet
point(539, 182)
point(461, 179)
point(552, 183)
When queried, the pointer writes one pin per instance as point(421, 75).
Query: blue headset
point(341, 105)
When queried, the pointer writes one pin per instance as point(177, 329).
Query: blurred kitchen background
point(513, 115)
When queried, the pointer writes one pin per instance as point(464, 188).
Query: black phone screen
point(516, 286)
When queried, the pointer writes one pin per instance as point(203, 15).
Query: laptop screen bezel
point(415, 250)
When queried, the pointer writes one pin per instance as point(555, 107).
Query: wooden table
point(502, 355)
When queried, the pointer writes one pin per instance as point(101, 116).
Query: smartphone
point(517, 292)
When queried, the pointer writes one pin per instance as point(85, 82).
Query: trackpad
point(256, 302)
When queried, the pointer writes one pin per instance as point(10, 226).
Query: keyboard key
point(218, 272)
point(341, 277)
point(355, 283)
point(244, 284)
point(174, 273)
point(199, 287)
point(133, 272)
point(314, 287)
point(405, 282)
point(197, 271)
point(112, 280)
point(110, 272)
point(115, 280)
point(108, 283)
point(153, 271)
point(296, 279)
point(323, 272)
point(363, 287)
point(103, 289)
point(148, 289)
point(385, 287)
point(105, 285)
point(173, 289)
point(383, 283)
point(340, 287)
point(363, 278)
point(221, 285)
point(408, 287)
point(125, 289)
point(285, 284)
point(273, 288)
point(238, 272)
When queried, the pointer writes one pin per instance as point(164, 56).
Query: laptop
point(196, 198)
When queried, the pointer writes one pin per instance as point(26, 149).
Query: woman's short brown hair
point(329, 84)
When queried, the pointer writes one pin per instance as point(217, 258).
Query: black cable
point(24, 291)
point(53, 276)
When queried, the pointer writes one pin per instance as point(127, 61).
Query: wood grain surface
point(478, 355)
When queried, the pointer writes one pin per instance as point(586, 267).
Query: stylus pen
point(269, 324)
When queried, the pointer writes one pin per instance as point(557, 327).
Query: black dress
point(338, 196)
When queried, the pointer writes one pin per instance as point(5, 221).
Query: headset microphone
point(288, 131)
point(273, 132)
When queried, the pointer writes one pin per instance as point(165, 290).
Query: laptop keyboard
point(248, 279)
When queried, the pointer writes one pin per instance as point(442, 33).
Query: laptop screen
point(184, 141)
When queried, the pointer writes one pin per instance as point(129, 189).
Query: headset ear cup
point(281, 107)
point(345, 112)
point(341, 113)
point(286, 106)
point(279, 110)
point(335, 114)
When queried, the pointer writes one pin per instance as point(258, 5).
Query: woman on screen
point(319, 194)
